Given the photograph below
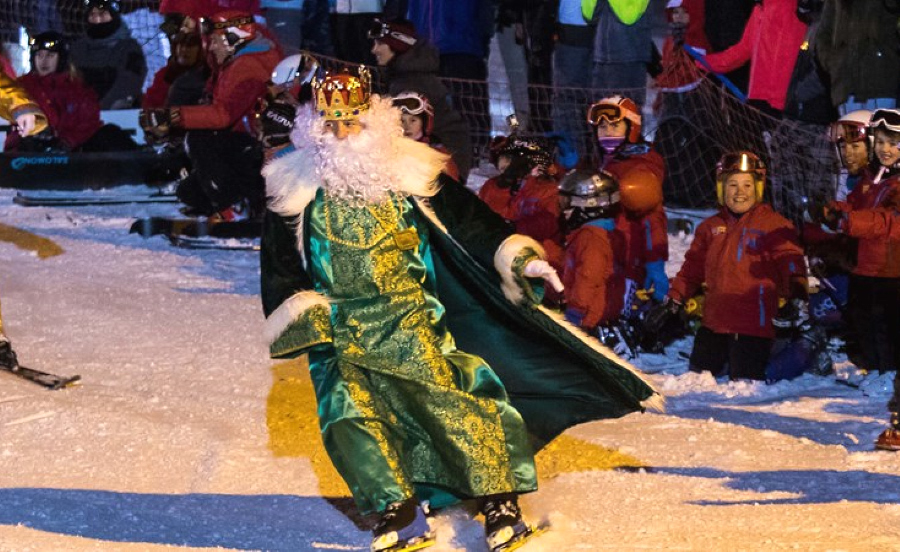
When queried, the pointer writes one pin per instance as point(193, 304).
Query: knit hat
point(398, 34)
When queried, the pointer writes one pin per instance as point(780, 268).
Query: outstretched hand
point(542, 269)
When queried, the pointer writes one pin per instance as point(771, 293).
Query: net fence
point(690, 125)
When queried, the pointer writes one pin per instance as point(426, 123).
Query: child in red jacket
point(640, 171)
point(72, 108)
point(749, 257)
point(872, 215)
point(592, 268)
point(524, 193)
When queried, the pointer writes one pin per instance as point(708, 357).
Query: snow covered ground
point(184, 435)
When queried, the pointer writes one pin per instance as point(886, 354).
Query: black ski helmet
point(51, 41)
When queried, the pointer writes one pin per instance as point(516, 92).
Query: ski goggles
point(380, 30)
point(846, 132)
point(889, 118)
point(741, 161)
point(411, 104)
point(610, 113)
point(208, 26)
point(49, 45)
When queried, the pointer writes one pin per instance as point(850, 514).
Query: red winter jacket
point(236, 87)
point(771, 43)
point(873, 216)
point(72, 108)
point(747, 263)
point(498, 198)
point(593, 274)
point(535, 211)
point(646, 234)
point(533, 208)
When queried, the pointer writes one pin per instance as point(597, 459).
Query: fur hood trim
point(290, 311)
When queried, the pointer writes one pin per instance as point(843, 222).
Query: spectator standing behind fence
point(771, 43)
point(461, 30)
point(72, 109)
point(724, 24)
point(572, 53)
point(349, 23)
point(108, 58)
point(748, 256)
point(622, 48)
point(412, 64)
point(857, 46)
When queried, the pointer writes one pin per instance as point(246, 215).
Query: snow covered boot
point(402, 527)
point(890, 438)
point(504, 528)
point(8, 357)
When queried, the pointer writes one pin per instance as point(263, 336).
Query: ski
point(44, 379)
point(82, 199)
point(522, 539)
point(195, 227)
point(211, 242)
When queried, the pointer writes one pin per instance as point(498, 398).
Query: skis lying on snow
point(38, 199)
point(194, 227)
point(191, 233)
point(211, 242)
point(44, 379)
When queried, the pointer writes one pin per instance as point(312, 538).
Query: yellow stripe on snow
point(44, 247)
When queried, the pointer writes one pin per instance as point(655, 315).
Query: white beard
point(361, 168)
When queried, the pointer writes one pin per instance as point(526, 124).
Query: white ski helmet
point(851, 127)
point(293, 67)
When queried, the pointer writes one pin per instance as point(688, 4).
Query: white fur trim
point(656, 402)
point(290, 311)
point(503, 261)
point(291, 182)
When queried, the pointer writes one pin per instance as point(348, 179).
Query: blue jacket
point(454, 26)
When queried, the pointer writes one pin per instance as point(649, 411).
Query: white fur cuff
point(503, 261)
point(290, 311)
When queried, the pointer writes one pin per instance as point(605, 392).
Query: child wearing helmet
point(748, 256)
point(524, 193)
point(592, 269)
point(871, 214)
point(72, 109)
point(226, 159)
point(417, 120)
point(640, 171)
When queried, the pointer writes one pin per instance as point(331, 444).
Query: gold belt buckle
point(407, 239)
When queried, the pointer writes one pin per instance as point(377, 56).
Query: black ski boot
point(402, 528)
point(504, 528)
point(8, 359)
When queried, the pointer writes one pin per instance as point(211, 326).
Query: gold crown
point(343, 96)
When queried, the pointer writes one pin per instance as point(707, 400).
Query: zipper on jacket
point(740, 251)
point(762, 308)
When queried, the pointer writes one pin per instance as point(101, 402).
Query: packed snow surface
point(185, 435)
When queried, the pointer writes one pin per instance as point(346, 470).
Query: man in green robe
point(351, 273)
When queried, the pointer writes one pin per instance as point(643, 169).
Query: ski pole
point(728, 84)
